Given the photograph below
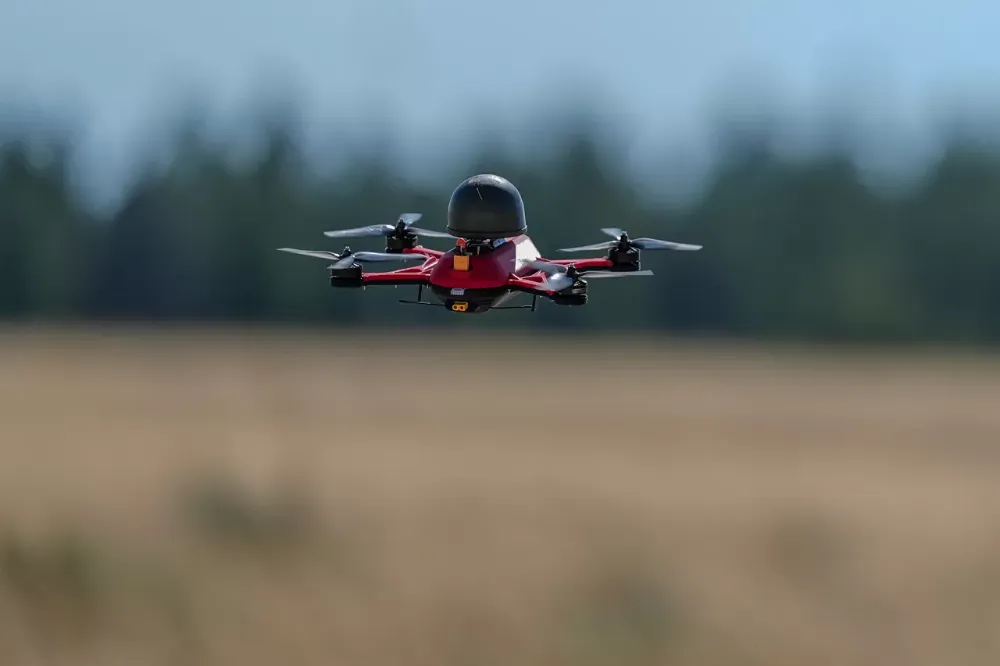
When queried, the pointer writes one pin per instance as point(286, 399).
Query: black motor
point(486, 207)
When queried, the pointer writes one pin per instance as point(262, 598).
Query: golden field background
point(209, 498)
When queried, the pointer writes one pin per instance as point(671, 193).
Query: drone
point(493, 260)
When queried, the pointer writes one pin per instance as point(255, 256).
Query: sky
point(436, 70)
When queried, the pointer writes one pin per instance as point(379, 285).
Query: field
point(223, 498)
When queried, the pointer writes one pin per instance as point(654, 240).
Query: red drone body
point(493, 259)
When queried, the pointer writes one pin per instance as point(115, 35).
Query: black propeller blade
point(403, 227)
point(623, 242)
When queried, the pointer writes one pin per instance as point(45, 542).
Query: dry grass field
point(222, 499)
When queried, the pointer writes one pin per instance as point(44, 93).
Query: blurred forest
point(794, 248)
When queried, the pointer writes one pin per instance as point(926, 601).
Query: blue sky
point(439, 66)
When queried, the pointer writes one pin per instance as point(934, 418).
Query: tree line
point(794, 248)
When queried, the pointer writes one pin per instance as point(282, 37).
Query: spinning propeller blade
point(319, 254)
point(623, 241)
point(362, 232)
point(590, 248)
point(615, 274)
point(403, 226)
point(547, 267)
point(654, 244)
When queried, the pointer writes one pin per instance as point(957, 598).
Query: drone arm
point(593, 264)
point(426, 251)
point(530, 285)
point(407, 273)
point(418, 275)
point(541, 283)
point(404, 276)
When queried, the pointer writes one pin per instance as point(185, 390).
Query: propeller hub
point(403, 230)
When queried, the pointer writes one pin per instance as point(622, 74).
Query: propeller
point(403, 227)
point(347, 258)
point(561, 277)
point(623, 242)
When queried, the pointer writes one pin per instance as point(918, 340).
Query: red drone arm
point(595, 263)
point(407, 275)
point(535, 282)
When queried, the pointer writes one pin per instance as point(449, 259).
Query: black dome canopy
point(486, 206)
